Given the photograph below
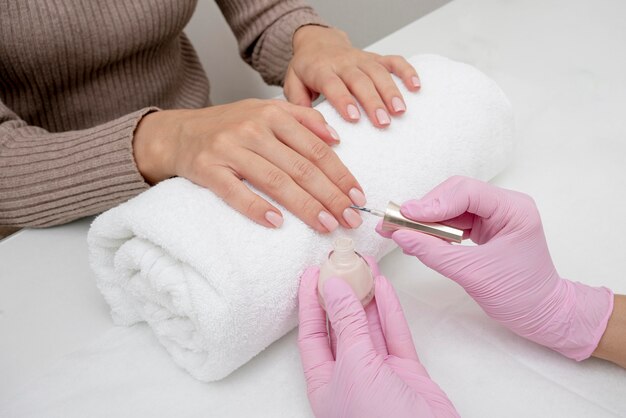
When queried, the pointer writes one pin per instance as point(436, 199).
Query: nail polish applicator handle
point(394, 220)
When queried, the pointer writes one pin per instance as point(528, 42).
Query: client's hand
point(279, 148)
point(324, 61)
point(376, 371)
point(509, 273)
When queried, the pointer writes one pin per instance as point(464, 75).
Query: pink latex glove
point(509, 273)
point(376, 372)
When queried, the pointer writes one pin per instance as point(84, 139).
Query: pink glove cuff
point(580, 321)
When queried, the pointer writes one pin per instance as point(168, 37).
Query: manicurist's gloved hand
point(376, 371)
point(509, 273)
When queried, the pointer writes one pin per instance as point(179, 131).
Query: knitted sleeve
point(52, 178)
point(264, 31)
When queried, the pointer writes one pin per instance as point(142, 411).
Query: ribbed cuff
point(274, 49)
point(54, 178)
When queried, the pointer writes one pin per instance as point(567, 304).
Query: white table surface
point(563, 66)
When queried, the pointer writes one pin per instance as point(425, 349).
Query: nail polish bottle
point(347, 264)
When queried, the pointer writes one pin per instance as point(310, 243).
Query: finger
point(373, 265)
point(312, 120)
point(375, 328)
point(410, 370)
point(348, 320)
point(295, 91)
point(312, 180)
point(454, 197)
point(317, 359)
point(415, 375)
point(270, 179)
point(236, 194)
point(332, 335)
point(399, 66)
point(385, 86)
point(298, 138)
point(378, 338)
point(383, 232)
point(363, 88)
point(436, 253)
point(339, 96)
point(393, 322)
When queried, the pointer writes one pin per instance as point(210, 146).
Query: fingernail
point(332, 132)
point(398, 105)
point(352, 218)
point(415, 81)
point(274, 218)
point(353, 112)
point(383, 117)
point(329, 222)
point(357, 197)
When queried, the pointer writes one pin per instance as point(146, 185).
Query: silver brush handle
point(394, 220)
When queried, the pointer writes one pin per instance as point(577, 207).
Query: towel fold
point(216, 288)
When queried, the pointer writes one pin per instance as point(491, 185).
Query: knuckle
point(336, 201)
point(309, 206)
point(200, 163)
point(271, 111)
point(249, 129)
point(303, 170)
point(229, 191)
point(221, 142)
point(319, 151)
point(276, 179)
point(344, 179)
point(252, 207)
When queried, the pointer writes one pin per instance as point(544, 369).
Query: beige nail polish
point(383, 117)
point(329, 222)
point(345, 263)
point(333, 133)
point(274, 218)
point(357, 197)
point(352, 218)
point(398, 105)
point(353, 112)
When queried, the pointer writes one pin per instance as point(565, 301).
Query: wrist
point(308, 34)
point(579, 319)
point(154, 146)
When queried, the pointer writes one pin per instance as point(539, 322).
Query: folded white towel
point(217, 288)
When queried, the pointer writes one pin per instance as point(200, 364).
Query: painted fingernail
point(398, 105)
point(329, 222)
point(415, 81)
point(357, 197)
point(353, 112)
point(352, 218)
point(274, 218)
point(383, 117)
point(332, 132)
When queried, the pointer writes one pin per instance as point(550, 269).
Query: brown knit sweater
point(76, 76)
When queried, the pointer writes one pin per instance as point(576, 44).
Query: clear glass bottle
point(347, 264)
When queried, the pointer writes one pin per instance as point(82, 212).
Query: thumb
point(434, 252)
point(347, 317)
point(295, 91)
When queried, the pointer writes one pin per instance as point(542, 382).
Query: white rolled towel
point(216, 288)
